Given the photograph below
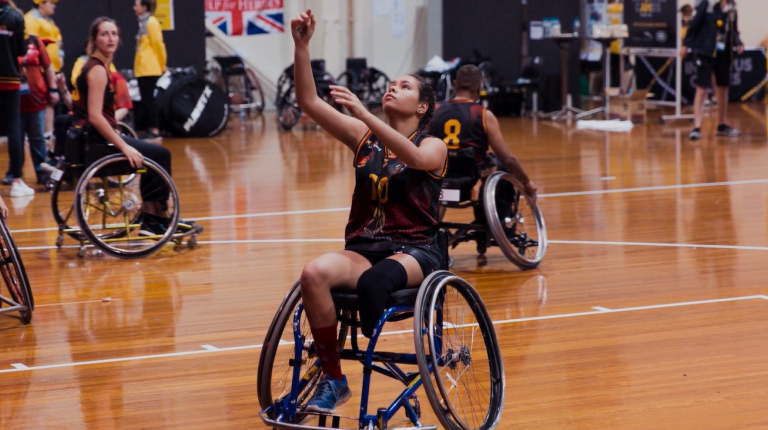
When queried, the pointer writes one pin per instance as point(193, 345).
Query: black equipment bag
point(190, 106)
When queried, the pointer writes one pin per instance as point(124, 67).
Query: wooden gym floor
point(649, 311)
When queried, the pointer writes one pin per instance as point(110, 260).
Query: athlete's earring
point(419, 111)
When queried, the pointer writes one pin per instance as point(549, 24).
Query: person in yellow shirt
point(149, 64)
point(38, 22)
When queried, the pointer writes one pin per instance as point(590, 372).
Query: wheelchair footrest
point(329, 419)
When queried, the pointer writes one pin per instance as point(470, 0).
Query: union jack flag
point(245, 17)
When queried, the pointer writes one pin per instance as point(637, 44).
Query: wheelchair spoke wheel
point(126, 220)
point(377, 87)
point(458, 354)
point(275, 374)
point(515, 221)
point(254, 93)
point(14, 275)
point(63, 205)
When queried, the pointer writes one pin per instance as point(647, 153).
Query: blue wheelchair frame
point(287, 407)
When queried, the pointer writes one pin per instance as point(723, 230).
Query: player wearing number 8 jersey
point(392, 230)
point(465, 125)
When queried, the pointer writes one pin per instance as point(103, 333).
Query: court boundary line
point(542, 196)
point(208, 349)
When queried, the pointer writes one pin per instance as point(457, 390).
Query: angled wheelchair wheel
point(514, 220)
point(14, 276)
point(458, 354)
point(126, 220)
point(63, 205)
point(254, 93)
point(275, 372)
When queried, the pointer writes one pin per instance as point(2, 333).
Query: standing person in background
point(39, 22)
point(12, 47)
point(149, 64)
point(41, 91)
point(712, 37)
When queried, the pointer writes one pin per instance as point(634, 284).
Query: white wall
point(371, 38)
point(753, 20)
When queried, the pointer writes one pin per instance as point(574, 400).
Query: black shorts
point(706, 66)
point(428, 256)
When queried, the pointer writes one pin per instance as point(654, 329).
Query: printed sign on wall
point(652, 23)
point(245, 17)
point(164, 14)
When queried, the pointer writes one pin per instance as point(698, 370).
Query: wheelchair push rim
point(111, 213)
point(14, 277)
point(515, 220)
point(458, 354)
point(276, 378)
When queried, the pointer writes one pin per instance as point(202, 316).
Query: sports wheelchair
point(239, 82)
point(97, 198)
point(456, 351)
point(15, 278)
point(288, 111)
point(504, 215)
point(367, 83)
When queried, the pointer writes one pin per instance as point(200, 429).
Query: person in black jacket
point(712, 37)
point(12, 47)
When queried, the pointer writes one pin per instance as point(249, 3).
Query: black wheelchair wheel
point(275, 374)
point(63, 205)
point(14, 275)
point(378, 85)
point(514, 220)
point(347, 80)
point(254, 93)
point(458, 354)
point(126, 220)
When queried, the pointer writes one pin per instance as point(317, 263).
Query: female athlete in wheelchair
point(494, 184)
point(112, 214)
point(391, 248)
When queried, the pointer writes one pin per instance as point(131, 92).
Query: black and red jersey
point(392, 201)
point(81, 104)
point(461, 124)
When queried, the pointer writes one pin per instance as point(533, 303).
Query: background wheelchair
point(456, 354)
point(14, 278)
point(504, 215)
point(98, 198)
point(239, 82)
point(367, 83)
point(288, 111)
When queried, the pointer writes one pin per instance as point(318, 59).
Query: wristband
point(53, 91)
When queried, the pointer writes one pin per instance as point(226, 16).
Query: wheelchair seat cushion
point(347, 300)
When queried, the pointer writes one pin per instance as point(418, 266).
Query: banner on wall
point(164, 14)
point(652, 23)
point(245, 17)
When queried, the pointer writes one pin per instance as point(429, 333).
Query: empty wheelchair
point(15, 278)
point(288, 111)
point(457, 360)
point(504, 215)
point(367, 83)
point(239, 82)
point(99, 199)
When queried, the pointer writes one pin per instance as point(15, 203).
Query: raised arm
point(346, 129)
point(97, 84)
point(510, 162)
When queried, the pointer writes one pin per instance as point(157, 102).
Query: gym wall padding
point(493, 27)
point(185, 44)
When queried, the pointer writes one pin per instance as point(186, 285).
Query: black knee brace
point(373, 289)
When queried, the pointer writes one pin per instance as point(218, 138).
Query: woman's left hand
point(349, 100)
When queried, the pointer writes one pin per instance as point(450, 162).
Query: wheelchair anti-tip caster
point(81, 252)
point(192, 242)
point(97, 253)
point(59, 241)
point(481, 248)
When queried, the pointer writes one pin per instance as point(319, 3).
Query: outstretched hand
point(530, 190)
point(303, 27)
point(349, 100)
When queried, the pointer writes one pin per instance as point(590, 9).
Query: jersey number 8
point(452, 129)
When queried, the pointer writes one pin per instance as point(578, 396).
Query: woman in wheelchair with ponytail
point(391, 235)
point(94, 113)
